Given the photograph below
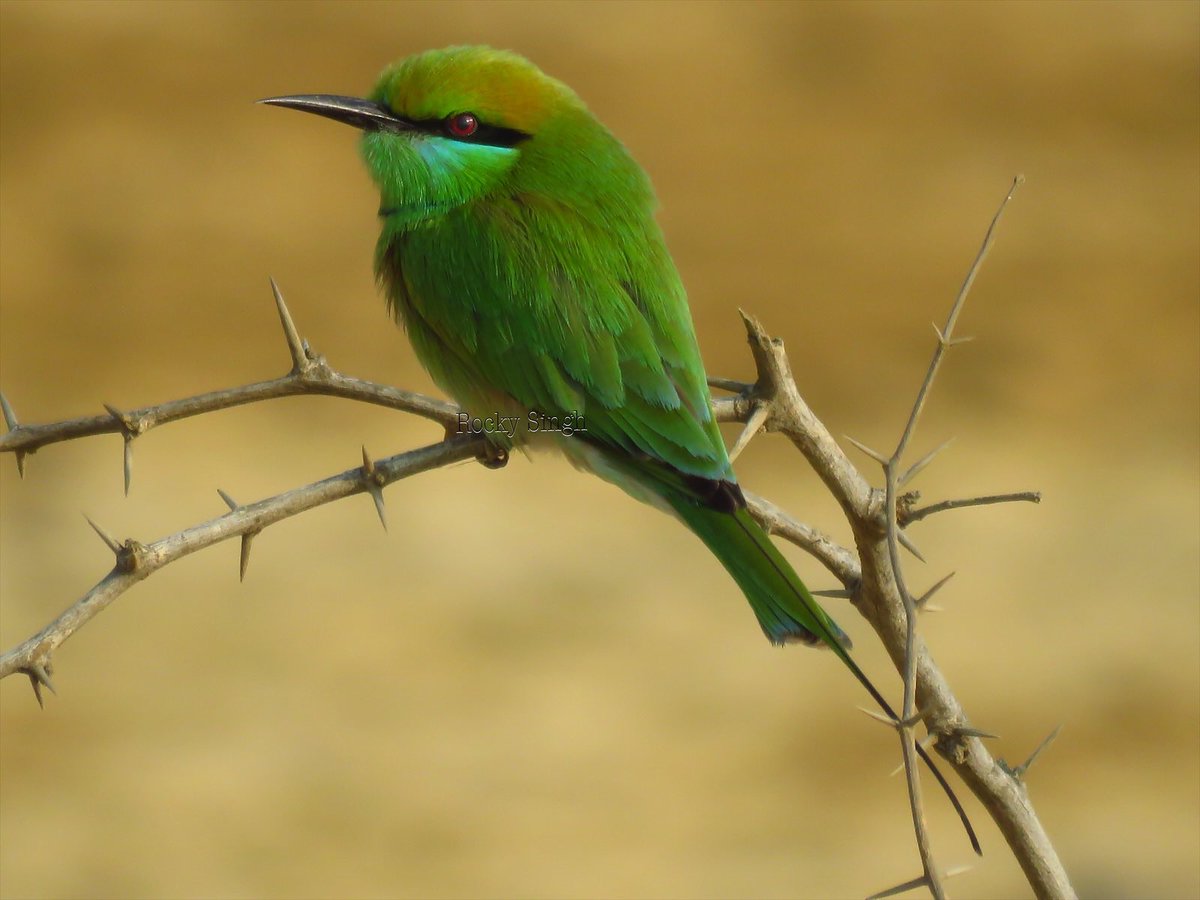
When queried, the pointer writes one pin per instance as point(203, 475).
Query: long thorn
point(39, 676)
point(295, 345)
point(10, 417)
point(874, 454)
point(901, 888)
point(37, 690)
point(951, 342)
point(908, 545)
point(244, 554)
point(120, 417)
point(42, 672)
point(244, 551)
point(377, 495)
point(923, 743)
point(128, 432)
point(371, 483)
point(878, 716)
point(922, 601)
point(917, 882)
point(915, 719)
point(113, 544)
point(922, 463)
point(127, 462)
point(1019, 771)
point(968, 731)
point(754, 424)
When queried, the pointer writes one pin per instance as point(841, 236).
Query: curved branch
point(137, 561)
point(836, 558)
point(310, 375)
point(790, 415)
point(320, 380)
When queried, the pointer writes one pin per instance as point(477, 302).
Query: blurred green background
point(532, 686)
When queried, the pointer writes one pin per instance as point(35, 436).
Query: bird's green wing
point(520, 303)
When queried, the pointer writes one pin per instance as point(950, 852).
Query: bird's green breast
point(521, 302)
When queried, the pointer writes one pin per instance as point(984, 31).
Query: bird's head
point(446, 127)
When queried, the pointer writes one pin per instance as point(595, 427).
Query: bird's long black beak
point(364, 114)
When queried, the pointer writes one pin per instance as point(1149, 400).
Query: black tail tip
point(795, 633)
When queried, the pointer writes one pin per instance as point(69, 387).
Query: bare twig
point(916, 515)
point(1018, 772)
point(892, 477)
point(836, 558)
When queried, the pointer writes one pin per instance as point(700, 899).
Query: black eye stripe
point(493, 135)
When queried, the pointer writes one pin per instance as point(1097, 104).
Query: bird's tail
point(786, 610)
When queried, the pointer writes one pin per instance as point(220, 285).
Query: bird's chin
point(423, 176)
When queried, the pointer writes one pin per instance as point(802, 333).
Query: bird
point(520, 251)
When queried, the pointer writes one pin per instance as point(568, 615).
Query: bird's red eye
point(463, 125)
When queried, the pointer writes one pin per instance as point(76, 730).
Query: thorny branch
point(907, 517)
point(310, 374)
point(892, 476)
point(136, 561)
point(870, 574)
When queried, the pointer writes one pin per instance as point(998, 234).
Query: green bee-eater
point(519, 250)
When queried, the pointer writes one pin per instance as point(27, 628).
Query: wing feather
point(529, 307)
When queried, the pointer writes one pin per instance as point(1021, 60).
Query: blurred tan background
point(532, 686)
